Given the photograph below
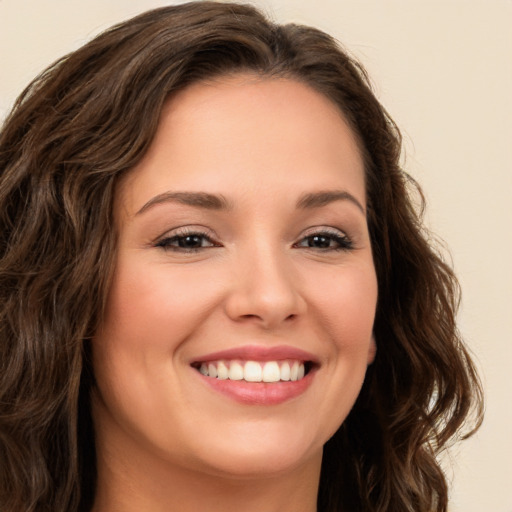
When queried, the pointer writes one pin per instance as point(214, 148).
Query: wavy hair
point(83, 124)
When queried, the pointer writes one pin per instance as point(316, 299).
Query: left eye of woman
point(326, 241)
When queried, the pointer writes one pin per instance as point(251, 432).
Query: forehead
point(257, 131)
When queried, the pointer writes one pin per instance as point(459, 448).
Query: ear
point(372, 350)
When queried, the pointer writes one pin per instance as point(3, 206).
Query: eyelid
point(323, 229)
point(187, 230)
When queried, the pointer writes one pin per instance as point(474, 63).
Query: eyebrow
point(219, 202)
point(197, 199)
point(325, 197)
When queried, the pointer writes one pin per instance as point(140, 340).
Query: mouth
point(257, 375)
point(287, 370)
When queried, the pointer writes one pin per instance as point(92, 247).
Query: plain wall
point(443, 69)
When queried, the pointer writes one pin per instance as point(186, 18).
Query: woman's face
point(243, 252)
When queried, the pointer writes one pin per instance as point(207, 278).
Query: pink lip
point(259, 353)
point(259, 393)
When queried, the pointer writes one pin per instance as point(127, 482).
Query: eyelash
point(166, 243)
point(342, 241)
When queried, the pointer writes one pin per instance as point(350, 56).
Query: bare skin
point(130, 489)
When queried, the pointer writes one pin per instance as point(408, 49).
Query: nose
point(264, 290)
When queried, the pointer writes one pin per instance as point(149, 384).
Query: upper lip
point(258, 353)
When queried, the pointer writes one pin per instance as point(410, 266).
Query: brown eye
point(319, 241)
point(190, 241)
point(187, 242)
point(326, 241)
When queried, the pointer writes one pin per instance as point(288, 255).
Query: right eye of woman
point(187, 241)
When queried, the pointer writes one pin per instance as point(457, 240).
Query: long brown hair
point(85, 122)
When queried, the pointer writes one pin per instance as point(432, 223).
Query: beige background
point(444, 71)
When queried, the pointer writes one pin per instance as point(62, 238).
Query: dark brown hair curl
point(85, 122)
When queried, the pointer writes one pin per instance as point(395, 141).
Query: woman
point(215, 290)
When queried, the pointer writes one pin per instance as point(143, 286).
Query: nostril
point(265, 298)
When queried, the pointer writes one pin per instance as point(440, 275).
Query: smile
point(257, 374)
point(254, 371)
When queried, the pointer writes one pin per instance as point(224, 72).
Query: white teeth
point(285, 371)
point(212, 370)
point(222, 371)
point(236, 371)
point(271, 372)
point(254, 371)
point(294, 371)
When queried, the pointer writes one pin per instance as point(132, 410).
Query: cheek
point(151, 313)
point(155, 308)
point(136, 353)
point(345, 310)
point(345, 301)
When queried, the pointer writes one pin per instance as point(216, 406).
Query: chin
point(263, 453)
point(264, 466)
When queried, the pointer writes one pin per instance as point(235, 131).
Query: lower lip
point(259, 393)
